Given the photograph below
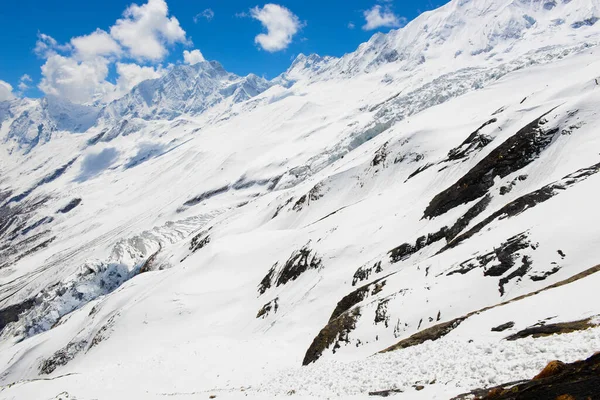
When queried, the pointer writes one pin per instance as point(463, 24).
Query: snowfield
point(433, 194)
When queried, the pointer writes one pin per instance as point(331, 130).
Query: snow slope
point(215, 235)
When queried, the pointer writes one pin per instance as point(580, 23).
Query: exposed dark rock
point(541, 277)
point(335, 331)
point(499, 111)
point(356, 297)
point(282, 206)
point(380, 155)
point(434, 333)
point(420, 337)
point(503, 259)
point(411, 157)
point(381, 313)
point(527, 201)
point(299, 262)
point(514, 154)
point(265, 284)
point(72, 204)
point(37, 224)
point(61, 357)
point(206, 195)
point(15, 222)
point(363, 273)
point(577, 381)
point(505, 255)
point(465, 219)
point(313, 194)
point(103, 332)
point(419, 170)
point(405, 250)
point(5, 194)
point(242, 183)
point(199, 241)
point(149, 263)
point(552, 329)
point(47, 179)
point(586, 22)
point(518, 273)
point(267, 308)
point(503, 327)
point(385, 393)
point(11, 313)
point(97, 138)
point(476, 141)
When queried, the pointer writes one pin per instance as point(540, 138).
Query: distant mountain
point(186, 89)
point(462, 33)
point(33, 121)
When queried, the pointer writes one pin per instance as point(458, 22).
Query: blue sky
point(222, 30)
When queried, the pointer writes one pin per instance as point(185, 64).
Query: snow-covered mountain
point(462, 34)
point(186, 89)
point(26, 123)
point(413, 219)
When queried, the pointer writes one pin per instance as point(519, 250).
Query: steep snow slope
point(216, 253)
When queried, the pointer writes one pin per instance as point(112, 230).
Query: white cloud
point(98, 43)
point(351, 25)
point(46, 45)
point(281, 25)
point(130, 75)
point(6, 91)
point(209, 14)
point(381, 16)
point(192, 57)
point(24, 82)
point(78, 71)
point(146, 30)
point(77, 81)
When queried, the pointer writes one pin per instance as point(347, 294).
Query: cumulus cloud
point(192, 57)
point(132, 74)
point(77, 81)
point(78, 70)
point(208, 14)
point(6, 91)
point(98, 43)
point(381, 17)
point(24, 82)
point(146, 30)
point(281, 25)
point(46, 46)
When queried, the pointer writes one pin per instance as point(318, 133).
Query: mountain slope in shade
point(356, 227)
